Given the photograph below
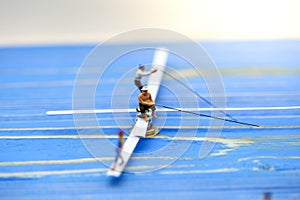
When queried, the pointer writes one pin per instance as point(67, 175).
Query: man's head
point(121, 133)
point(142, 67)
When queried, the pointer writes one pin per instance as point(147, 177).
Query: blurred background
point(78, 21)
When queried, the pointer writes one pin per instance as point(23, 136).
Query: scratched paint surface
point(42, 157)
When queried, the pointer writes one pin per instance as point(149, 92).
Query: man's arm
point(150, 98)
point(144, 102)
point(145, 73)
point(141, 99)
point(148, 73)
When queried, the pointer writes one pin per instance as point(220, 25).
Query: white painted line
point(102, 111)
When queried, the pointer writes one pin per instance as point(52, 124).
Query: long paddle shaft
point(203, 115)
point(198, 95)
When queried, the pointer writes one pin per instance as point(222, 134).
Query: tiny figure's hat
point(120, 132)
point(144, 88)
point(140, 66)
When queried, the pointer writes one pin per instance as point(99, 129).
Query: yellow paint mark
point(54, 162)
point(83, 160)
point(38, 174)
point(269, 157)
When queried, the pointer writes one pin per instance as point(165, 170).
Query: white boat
point(141, 127)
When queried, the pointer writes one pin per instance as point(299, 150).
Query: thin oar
point(203, 115)
point(198, 95)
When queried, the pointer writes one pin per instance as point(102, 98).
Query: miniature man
point(146, 102)
point(141, 72)
point(119, 150)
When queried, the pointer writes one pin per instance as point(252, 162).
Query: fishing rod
point(209, 116)
point(198, 95)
